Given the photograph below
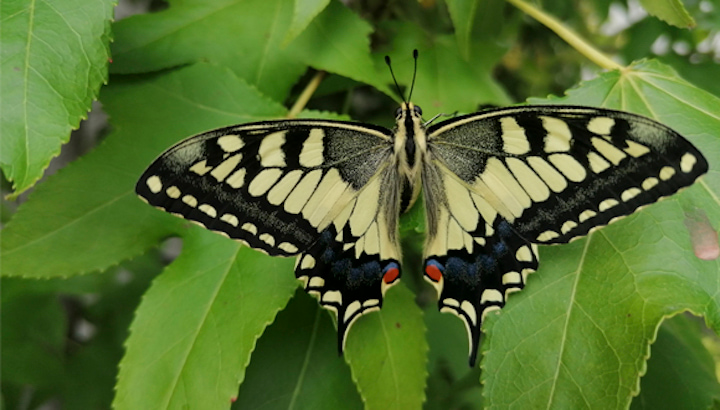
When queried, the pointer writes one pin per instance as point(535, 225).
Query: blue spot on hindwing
point(328, 255)
point(463, 270)
point(500, 248)
point(504, 229)
point(455, 266)
point(326, 238)
point(340, 268)
point(487, 263)
point(437, 264)
point(392, 265)
point(365, 274)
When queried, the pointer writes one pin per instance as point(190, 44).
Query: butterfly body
point(494, 184)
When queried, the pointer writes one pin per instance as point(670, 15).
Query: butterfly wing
point(357, 257)
point(473, 256)
point(298, 187)
point(536, 174)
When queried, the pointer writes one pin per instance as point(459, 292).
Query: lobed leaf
point(251, 44)
point(338, 41)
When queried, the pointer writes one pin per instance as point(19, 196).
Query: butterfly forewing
point(498, 182)
point(557, 172)
point(274, 185)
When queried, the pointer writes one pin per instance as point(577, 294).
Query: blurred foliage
point(91, 317)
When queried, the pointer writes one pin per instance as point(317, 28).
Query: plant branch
point(306, 94)
point(572, 38)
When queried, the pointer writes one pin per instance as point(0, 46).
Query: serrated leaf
point(297, 356)
point(681, 372)
point(671, 11)
point(303, 13)
point(40, 103)
point(87, 217)
point(197, 325)
point(387, 353)
point(579, 333)
point(245, 35)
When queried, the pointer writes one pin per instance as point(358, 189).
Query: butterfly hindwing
point(357, 256)
point(473, 256)
point(273, 185)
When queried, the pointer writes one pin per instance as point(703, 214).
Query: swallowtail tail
point(494, 183)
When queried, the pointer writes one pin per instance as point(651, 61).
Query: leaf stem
point(306, 94)
point(572, 38)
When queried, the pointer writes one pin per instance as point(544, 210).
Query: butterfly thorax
point(409, 148)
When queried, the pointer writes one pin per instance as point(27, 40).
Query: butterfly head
point(409, 132)
point(408, 110)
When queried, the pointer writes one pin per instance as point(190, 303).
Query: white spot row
point(627, 195)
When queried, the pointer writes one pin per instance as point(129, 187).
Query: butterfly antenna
point(397, 86)
point(412, 85)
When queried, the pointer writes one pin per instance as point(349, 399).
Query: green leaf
point(31, 355)
point(250, 43)
point(41, 104)
point(681, 372)
point(463, 17)
point(387, 353)
point(595, 304)
point(451, 384)
point(245, 35)
point(481, 26)
point(296, 365)
point(197, 325)
point(303, 13)
point(445, 82)
point(339, 41)
point(64, 338)
point(87, 217)
point(108, 302)
point(671, 11)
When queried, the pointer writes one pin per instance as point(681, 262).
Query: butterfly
point(495, 184)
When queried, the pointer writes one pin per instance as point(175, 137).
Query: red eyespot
point(391, 274)
point(433, 272)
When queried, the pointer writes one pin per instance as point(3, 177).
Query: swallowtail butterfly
point(494, 183)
